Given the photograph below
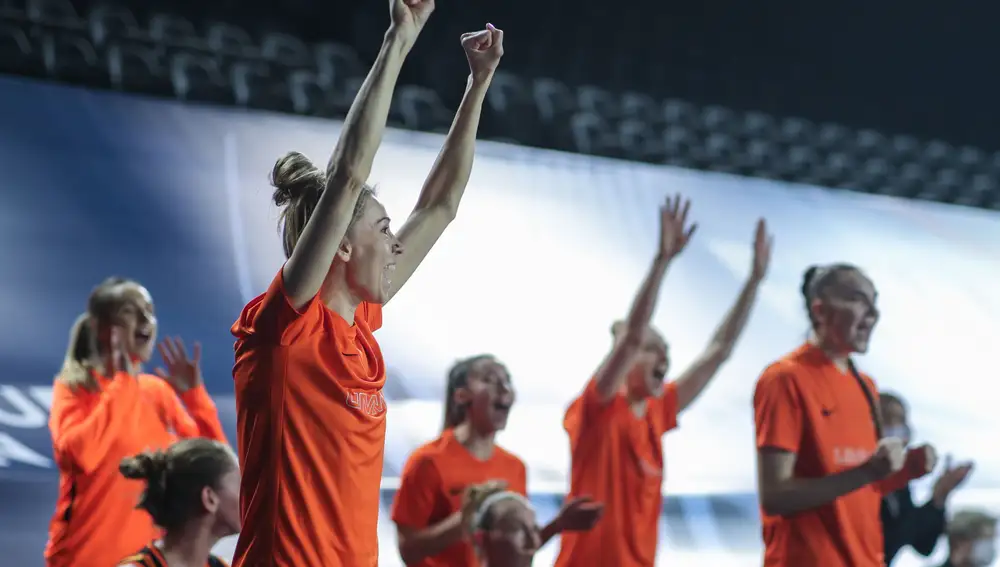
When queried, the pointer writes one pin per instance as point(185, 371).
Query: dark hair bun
point(294, 176)
point(148, 466)
point(807, 280)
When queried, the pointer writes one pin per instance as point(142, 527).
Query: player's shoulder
point(153, 383)
point(430, 453)
point(509, 460)
point(781, 374)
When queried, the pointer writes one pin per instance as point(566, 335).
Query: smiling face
point(370, 249)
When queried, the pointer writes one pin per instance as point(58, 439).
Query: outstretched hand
point(579, 514)
point(951, 478)
point(182, 372)
point(409, 17)
point(483, 49)
point(762, 244)
point(675, 232)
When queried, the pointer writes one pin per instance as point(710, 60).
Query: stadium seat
point(336, 62)
point(554, 99)
point(758, 157)
point(175, 31)
point(108, 21)
point(229, 40)
point(286, 50)
point(640, 141)
point(642, 107)
point(797, 131)
point(599, 101)
point(58, 13)
point(512, 111)
point(678, 144)
point(308, 95)
point(256, 84)
point(831, 136)
point(72, 57)
point(18, 54)
point(718, 119)
point(195, 76)
point(11, 11)
point(138, 66)
point(593, 135)
point(420, 108)
point(720, 152)
point(758, 126)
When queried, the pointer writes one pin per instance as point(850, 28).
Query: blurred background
point(136, 138)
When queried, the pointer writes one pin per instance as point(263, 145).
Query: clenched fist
point(889, 457)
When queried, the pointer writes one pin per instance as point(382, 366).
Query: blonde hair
point(82, 357)
point(80, 361)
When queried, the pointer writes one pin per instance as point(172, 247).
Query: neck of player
point(189, 547)
point(477, 441)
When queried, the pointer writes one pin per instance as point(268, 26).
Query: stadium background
point(175, 195)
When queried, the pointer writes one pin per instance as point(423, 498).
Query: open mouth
point(143, 337)
point(388, 271)
point(502, 408)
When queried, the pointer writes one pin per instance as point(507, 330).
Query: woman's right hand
point(473, 498)
point(674, 229)
point(409, 17)
point(118, 358)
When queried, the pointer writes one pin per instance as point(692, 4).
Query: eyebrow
point(383, 219)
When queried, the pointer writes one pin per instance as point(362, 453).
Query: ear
point(209, 499)
point(816, 309)
point(462, 395)
point(344, 251)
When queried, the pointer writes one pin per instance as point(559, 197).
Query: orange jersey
point(432, 484)
point(805, 405)
point(617, 458)
point(95, 521)
point(152, 556)
point(311, 431)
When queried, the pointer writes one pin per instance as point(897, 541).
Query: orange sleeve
point(82, 435)
point(668, 406)
point(519, 482)
point(271, 317)
point(371, 314)
point(585, 411)
point(419, 486)
point(196, 416)
point(777, 411)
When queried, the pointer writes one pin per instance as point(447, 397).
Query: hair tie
point(496, 497)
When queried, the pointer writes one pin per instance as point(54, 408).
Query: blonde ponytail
point(78, 364)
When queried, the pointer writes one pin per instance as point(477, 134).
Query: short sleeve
point(667, 406)
point(585, 410)
point(419, 486)
point(371, 314)
point(519, 480)
point(777, 411)
point(271, 317)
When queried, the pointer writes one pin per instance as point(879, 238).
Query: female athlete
point(103, 409)
point(427, 509)
point(822, 462)
point(192, 492)
point(309, 372)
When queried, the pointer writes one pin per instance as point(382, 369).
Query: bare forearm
point(736, 320)
point(644, 303)
point(366, 120)
point(548, 532)
point(450, 174)
point(431, 541)
point(800, 494)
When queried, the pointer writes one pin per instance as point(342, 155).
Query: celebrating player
point(616, 425)
point(822, 462)
point(104, 410)
point(427, 509)
point(309, 372)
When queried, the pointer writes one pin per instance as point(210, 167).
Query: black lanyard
point(870, 397)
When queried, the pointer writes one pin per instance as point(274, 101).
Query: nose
point(397, 246)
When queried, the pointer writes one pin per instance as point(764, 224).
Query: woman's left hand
point(579, 514)
point(483, 49)
point(182, 372)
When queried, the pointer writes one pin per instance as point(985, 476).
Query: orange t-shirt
point(617, 458)
point(95, 522)
point(805, 405)
point(311, 431)
point(431, 488)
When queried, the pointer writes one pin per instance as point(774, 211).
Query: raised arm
point(673, 238)
point(351, 162)
point(696, 378)
point(442, 192)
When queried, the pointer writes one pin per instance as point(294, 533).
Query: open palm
point(183, 372)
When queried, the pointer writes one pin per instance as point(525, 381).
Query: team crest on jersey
point(371, 404)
